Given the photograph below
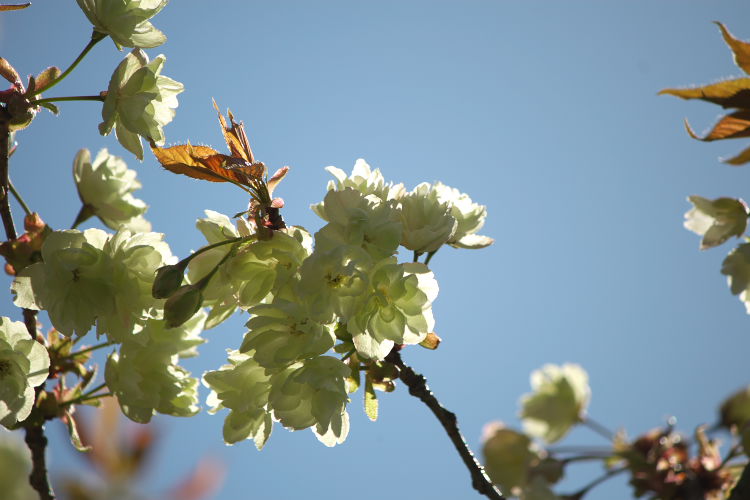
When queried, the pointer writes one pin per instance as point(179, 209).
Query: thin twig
point(418, 388)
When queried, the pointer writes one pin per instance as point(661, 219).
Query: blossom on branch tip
point(105, 188)
point(139, 102)
point(427, 220)
point(470, 217)
point(126, 21)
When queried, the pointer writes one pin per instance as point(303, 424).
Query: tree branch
point(35, 438)
point(417, 385)
point(37, 443)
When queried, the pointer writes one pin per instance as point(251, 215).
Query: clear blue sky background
point(544, 111)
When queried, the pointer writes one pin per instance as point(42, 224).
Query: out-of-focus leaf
point(740, 49)
point(507, 456)
point(75, 438)
point(727, 94)
point(740, 159)
point(731, 126)
point(735, 410)
point(14, 7)
point(371, 400)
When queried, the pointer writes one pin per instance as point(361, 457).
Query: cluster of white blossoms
point(321, 308)
point(97, 280)
point(347, 292)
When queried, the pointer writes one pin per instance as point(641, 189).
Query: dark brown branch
point(35, 438)
point(418, 388)
point(10, 229)
point(742, 489)
point(37, 443)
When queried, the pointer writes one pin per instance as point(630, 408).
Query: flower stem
point(18, 198)
point(67, 98)
point(89, 349)
point(96, 37)
point(598, 428)
point(429, 257)
point(87, 395)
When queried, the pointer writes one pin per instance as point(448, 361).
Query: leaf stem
point(417, 385)
point(96, 37)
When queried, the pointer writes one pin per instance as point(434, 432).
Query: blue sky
point(546, 112)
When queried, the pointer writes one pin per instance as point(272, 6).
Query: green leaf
point(51, 106)
point(740, 49)
point(371, 400)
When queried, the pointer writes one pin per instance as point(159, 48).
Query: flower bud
point(168, 280)
point(182, 305)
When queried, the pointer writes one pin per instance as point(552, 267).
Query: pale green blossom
point(398, 308)
point(427, 221)
point(716, 220)
point(282, 333)
point(72, 283)
point(105, 188)
point(126, 21)
point(24, 364)
point(139, 102)
point(242, 386)
point(145, 376)
point(313, 394)
point(470, 217)
point(359, 220)
point(364, 180)
point(561, 395)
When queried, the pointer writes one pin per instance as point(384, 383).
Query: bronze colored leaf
point(731, 126)
point(740, 49)
point(235, 137)
point(202, 162)
point(14, 7)
point(740, 159)
point(727, 94)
